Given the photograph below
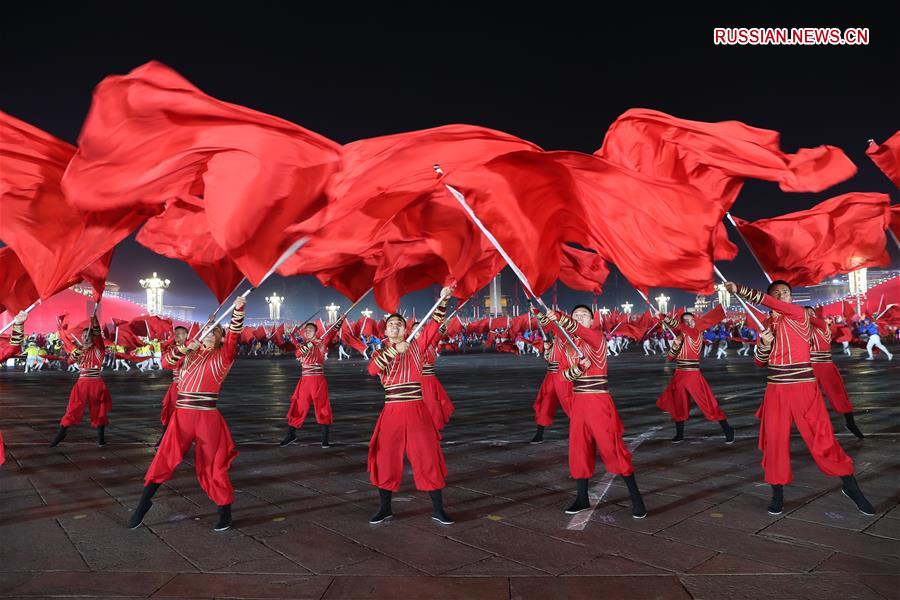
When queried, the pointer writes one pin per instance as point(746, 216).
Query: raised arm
point(233, 332)
point(788, 309)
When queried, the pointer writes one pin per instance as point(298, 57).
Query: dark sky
point(559, 86)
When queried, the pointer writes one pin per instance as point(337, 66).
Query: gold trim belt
point(820, 357)
point(796, 373)
point(553, 367)
point(312, 370)
point(196, 400)
point(591, 384)
point(428, 370)
point(90, 373)
point(687, 365)
point(403, 392)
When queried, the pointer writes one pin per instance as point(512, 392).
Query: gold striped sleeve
point(384, 357)
point(18, 334)
point(237, 321)
point(762, 352)
point(672, 322)
point(567, 323)
point(573, 373)
point(749, 294)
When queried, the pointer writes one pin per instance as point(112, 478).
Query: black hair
point(180, 327)
point(313, 325)
point(585, 307)
point(395, 316)
point(777, 282)
point(687, 313)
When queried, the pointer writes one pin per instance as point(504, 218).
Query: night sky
point(558, 88)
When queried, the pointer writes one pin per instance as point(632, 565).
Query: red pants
point(555, 390)
point(91, 391)
point(406, 428)
point(2, 451)
point(436, 401)
point(799, 403)
point(311, 389)
point(828, 376)
point(594, 424)
point(168, 405)
point(213, 453)
point(674, 399)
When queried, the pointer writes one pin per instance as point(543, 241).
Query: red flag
point(582, 270)
point(839, 235)
point(260, 333)
point(365, 326)
point(17, 292)
point(895, 221)
point(153, 327)
point(349, 338)
point(151, 135)
point(247, 336)
point(887, 157)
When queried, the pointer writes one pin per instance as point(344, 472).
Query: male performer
point(555, 389)
point(746, 341)
point(89, 388)
point(404, 425)
point(722, 349)
point(688, 380)
point(593, 421)
point(197, 419)
point(171, 397)
point(827, 373)
point(16, 337)
point(792, 396)
point(312, 387)
point(871, 327)
point(433, 393)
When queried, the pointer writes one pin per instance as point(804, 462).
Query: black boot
point(224, 518)
point(728, 430)
point(60, 436)
point(538, 436)
point(290, 438)
point(581, 497)
point(137, 517)
point(852, 491)
point(159, 441)
point(325, 443)
point(851, 425)
point(638, 511)
point(679, 432)
point(101, 436)
point(437, 505)
point(384, 511)
point(776, 506)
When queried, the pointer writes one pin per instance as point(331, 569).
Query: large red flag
point(151, 135)
point(582, 270)
point(17, 292)
point(887, 157)
point(57, 242)
point(839, 235)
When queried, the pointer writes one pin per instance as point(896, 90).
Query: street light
point(604, 311)
point(724, 295)
point(662, 303)
point(332, 312)
point(155, 288)
point(626, 308)
point(275, 301)
point(366, 313)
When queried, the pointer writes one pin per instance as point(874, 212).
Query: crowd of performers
point(795, 347)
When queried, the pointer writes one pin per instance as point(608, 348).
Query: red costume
point(688, 381)
point(14, 349)
point(826, 372)
point(196, 417)
point(171, 397)
point(792, 395)
point(312, 387)
point(555, 389)
point(433, 393)
point(89, 389)
point(405, 425)
point(593, 420)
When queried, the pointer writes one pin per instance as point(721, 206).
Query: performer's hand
point(239, 303)
point(401, 347)
point(551, 315)
point(766, 337)
point(584, 364)
point(731, 287)
point(20, 318)
point(447, 291)
point(194, 345)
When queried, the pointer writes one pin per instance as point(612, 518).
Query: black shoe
point(852, 491)
point(850, 425)
point(581, 498)
point(384, 510)
point(60, 436)
point(101, 436)
point(776, 506)
point(224, 518)
point(437, 504)
point(638, 510)
point(728, 430)
point(137, 517)
point(290, 438)
point(159, 441)
point(679, 432)
point(538, 436)
point(325, 443)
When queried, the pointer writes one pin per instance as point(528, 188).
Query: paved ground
point(301, 527)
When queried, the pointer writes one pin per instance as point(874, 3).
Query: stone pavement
point(301, 512)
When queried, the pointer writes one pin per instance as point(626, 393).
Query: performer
point(404, 425)
point(312, 387)
point(89, 389)
point(792, 396)
point(827, 373)
point(722, 350)
point(593, 421)
point(197, 419)
point(688, 380)
point(433, 393)
point(871, 327)
point(554, 390)
point(16, 337)
point(171, 397)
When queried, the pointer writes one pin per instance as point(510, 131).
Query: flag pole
point(744, 304)
point(26, 311)
point(749, 247)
